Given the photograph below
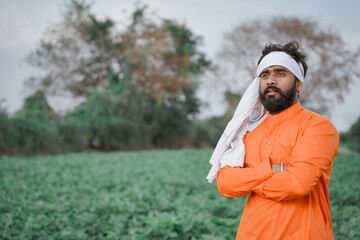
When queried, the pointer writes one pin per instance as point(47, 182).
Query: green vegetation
point(352, 137)
point(137, 84)
point(158, 194)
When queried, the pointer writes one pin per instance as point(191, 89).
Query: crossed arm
point(277, 167)
point(312, 156)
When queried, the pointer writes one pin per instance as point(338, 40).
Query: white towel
point(248, 115)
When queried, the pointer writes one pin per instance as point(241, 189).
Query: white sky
point(22, 23)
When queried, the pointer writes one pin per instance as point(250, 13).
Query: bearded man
point(278, 154)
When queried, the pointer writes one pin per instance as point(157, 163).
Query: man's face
point(278, 89)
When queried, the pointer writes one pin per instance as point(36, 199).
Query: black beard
point(275, 105)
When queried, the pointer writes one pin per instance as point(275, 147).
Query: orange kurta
point(293, 204)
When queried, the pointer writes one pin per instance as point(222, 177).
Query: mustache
point(275, 89)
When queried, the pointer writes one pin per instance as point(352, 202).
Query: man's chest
point(274, 141)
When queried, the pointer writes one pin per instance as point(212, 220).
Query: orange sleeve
point(312, 156)
point(237, 181)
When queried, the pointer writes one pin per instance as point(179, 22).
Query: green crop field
point(160, 194)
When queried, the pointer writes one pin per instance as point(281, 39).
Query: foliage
point(7, 132)
point(332, 66)
point(205, 133)
point(116, 119)
point(344, 200)
point(36, 106)
point(74, 53)
point(169, 123)
point(138, 83)
point(158, 194)
point(35, 127)
point(118, 195)
point(353, 136)
point(113, 121)
point(346, 142)
point(157, 57)
point(233, 100)
point(72, 135)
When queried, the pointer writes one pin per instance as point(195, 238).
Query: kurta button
point(270, 118)
point(269, 142)
point(267, 155)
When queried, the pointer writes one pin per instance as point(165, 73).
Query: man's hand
point(276, 167)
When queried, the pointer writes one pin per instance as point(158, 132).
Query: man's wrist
point(278, 167)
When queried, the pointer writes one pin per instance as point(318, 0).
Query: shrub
point(36, 130)
point(7, 133)
point(206, 133)
point(353, 135)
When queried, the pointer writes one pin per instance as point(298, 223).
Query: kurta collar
point(286, 114)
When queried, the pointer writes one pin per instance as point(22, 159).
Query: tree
point(139, 81)
point(80, 54)
point(75, 54)
point(106, 121)
point(35, 125)
point(332, 67)
point(353, 134)
point(7, 132)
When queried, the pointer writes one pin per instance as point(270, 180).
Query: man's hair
point(291, 48)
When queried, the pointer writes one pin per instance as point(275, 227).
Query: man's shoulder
point(315, 119)
point(314, 116)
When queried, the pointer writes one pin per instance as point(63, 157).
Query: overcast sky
point(22, 23)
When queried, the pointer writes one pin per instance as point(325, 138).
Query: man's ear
point(299, 85)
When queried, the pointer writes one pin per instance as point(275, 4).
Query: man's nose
point(271, 80)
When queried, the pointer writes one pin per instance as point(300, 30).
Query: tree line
point(138, 84)
point(104, 122)
point(138, 87)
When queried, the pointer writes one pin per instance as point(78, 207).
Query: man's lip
point(271, 91)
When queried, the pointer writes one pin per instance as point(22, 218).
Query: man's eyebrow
point(275, 70)
point(280, 70)
point(265, 71)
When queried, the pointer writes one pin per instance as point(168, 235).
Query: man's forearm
point(237, 182)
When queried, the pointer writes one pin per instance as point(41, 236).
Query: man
point(289, 154)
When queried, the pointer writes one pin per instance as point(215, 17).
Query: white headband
point(281, 59)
